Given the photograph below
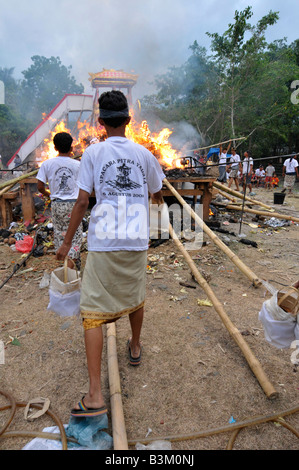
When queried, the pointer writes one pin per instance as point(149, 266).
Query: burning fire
point(157, 143)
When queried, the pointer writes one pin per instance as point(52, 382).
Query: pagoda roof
point(112, 77)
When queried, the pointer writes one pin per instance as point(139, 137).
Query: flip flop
point(85, 412)
point(134, 361)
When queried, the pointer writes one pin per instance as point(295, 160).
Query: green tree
point(237, 57)
point(45, 83)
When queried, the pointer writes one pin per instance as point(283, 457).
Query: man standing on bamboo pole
point(122, 173)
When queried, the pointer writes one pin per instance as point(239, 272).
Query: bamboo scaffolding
point(226, 196)
point(14, 181)
point(120, 441)
point(219, 143)
point(6, 189)
point(239, 195)
point(231, 255)
point(253, 362)
point(262, 213)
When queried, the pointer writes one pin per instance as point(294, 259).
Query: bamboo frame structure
point(120, 441)
point(12, 182)
point(253, 362)
point(224, 188)
point(219, 143)
point(231, 255)
point(222, 193)
point(262, 213)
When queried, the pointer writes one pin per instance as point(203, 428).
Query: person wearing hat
point(290, 172)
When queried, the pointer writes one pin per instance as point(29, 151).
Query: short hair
point(113, 100)
point(63, 142)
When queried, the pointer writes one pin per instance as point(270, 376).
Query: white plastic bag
point(280, 327)
point(64, 292)
point(155, 445)
point(279, 333)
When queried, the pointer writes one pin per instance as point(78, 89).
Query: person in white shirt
point(290, 172)
point(122, 174)
point(223, 164)
point(235, 166)
point(61, 174)
point(260, 175)
point(247, 171)
point(269, 171)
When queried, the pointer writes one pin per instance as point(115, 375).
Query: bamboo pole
point(239, 195)
point(232, 256)
point(226, 195)
point(120, 441)
point(6, 189)
point(219, 143)
point(253, 362)
point(265, 214)
point(14, 181)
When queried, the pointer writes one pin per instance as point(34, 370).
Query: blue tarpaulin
point(213, 151)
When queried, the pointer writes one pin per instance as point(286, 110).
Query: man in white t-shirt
point(290, 172)
point(269, 172)
point(235, 167)
point(122, 174)
point(223, 163)
point(247, 171)
point(61, 174)
point(260, 175)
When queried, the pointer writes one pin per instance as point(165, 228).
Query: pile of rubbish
point(21, 237)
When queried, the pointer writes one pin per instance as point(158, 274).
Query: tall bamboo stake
point(265, 214)
point(233, 330)
point(120, 441)
point(239, 195)
point(232, 256)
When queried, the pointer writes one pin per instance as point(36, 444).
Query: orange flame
point(157, 143)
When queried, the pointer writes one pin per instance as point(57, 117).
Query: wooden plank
point(28, 208)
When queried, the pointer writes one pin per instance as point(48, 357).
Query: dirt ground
point(193, 376)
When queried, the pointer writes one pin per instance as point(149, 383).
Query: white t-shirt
point(291, 165)
point(61, 173)
point(247, 162)
point(234, 161)
point(122, 173)
point(270, 170)
point(223, 159)
point(260, 173)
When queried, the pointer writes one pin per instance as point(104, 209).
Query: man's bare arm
point(42, 188)
point(157, 198)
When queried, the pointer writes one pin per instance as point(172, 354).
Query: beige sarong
point(113, 285)
point(289, 181)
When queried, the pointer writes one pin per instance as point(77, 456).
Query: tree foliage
point(44, 84)
point(242, 89)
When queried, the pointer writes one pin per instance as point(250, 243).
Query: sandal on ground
point(134, 361)
point(84, 412)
